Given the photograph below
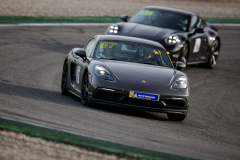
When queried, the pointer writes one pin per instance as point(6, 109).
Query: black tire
point(84, 90)
point(64, 90)
point(212, 61)
point(184, 53)
point(176, 117)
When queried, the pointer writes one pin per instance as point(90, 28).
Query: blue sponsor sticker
point(146, 96)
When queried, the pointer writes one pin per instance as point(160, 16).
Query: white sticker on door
point(78, 73)
point(197, 45)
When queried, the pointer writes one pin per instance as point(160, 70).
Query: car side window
point(194, 23)
point(89, 47)
point(201, 23)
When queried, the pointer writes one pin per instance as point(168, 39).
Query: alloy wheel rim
point(215, 46)
point(183, 60)
point(214, 53)
point(185, 50)
point(213, 60)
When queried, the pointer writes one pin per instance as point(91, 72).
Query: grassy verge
point(29, 19)
point(105, 19)
point(95, 144)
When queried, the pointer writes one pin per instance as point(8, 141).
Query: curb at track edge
point(73, 138)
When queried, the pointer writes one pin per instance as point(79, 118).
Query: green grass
point(29, 19)
point(104, 19)
point(86, 142)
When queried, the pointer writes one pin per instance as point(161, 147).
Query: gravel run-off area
point(22, 147)
point(80, 8)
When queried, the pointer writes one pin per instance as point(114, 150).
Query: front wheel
point(176, 117)
point(84, 90)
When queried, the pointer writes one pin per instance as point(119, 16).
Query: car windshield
point(132, 52)
point(162, 18)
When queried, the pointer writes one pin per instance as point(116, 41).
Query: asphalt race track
point(31, 60)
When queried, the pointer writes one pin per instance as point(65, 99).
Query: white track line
point(91, 24)
point(226, 24)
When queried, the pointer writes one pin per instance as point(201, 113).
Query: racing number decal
point(107, 44)
point(123, 47)
point(146, 12)
point(197, 45)
point(104, 45)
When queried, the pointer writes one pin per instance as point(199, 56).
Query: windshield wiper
point(145, 63)
point(110, 59)
point(114, 59)
point(148, 63)
point(162, 26)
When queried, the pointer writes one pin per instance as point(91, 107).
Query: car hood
point(134, 73)
point(144, 31)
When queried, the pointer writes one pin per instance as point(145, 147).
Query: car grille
point(124, 99)
point(109, 96)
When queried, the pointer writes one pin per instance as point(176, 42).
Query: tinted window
point(89, 47)
point(162, 18)
point(194, 22)
point(200, 23)
point(132, 52)
point(197, 22)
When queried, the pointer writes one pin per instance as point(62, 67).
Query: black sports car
point(126, 72)
point(185, 35)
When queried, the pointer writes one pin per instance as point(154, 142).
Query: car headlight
point(180, 83)
point(172, 39)
point(113, 29)
point(103, 73)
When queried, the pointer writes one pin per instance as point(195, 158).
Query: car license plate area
point(145, 96)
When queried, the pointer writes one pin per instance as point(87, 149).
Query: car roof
point(126, 38)
point(171, 9)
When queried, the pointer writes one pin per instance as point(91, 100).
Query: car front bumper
point(117, 97)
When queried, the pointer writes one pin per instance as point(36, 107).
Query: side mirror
point(124, 17)
point(199, 30)
point(79, 52)
point(180, 66)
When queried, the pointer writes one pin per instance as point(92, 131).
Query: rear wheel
point(184, 53)
point(212, 61)
point(176, 117)
point(64, 90)
point(84, 91)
